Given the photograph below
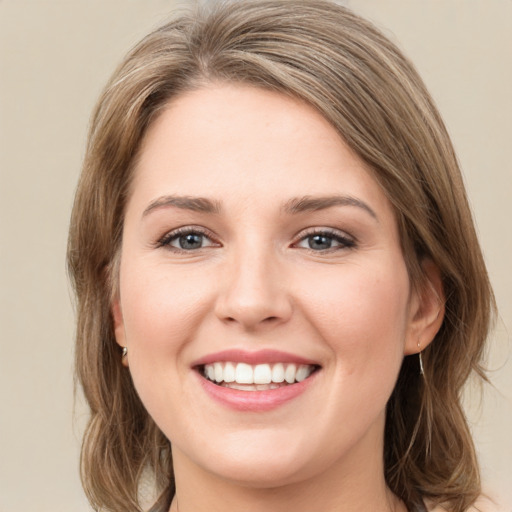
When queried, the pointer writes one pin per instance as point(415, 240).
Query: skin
point(257, 284)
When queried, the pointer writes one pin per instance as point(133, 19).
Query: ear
point(426, 309)
point(117, 316)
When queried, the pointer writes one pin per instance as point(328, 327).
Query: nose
point(254, 294)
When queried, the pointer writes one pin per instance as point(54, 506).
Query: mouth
point(255, 381)
point(257, 377)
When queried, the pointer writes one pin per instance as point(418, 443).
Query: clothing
point(164, 502)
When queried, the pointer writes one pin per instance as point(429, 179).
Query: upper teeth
point(243, 373)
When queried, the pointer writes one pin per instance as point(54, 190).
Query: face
point(264, 298)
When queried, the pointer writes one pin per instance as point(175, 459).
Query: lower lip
point(255, 401)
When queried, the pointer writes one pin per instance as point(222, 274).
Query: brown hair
point(357, 79)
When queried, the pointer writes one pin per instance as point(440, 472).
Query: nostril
point(269, 319)
point(252, 310)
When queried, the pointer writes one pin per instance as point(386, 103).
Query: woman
point(280, 290)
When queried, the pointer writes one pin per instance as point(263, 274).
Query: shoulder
point(482, 504)
point(487, 504)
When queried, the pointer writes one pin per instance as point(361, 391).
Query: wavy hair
point(361, 83)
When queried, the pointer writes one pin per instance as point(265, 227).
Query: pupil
point(320, 242)
point(191, 241)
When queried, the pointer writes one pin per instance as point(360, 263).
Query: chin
point(257, 461)
point(261, 475)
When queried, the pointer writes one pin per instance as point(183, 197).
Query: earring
point(124, 353)
point(421, 360)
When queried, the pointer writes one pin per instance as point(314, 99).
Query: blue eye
point(324, 241)
point(186, 240)
point(319, 242)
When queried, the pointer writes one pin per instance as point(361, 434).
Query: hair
point(325, 55)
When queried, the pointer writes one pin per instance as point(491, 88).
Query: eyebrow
point(310, 203)
point(293, 206)
point(195, 204)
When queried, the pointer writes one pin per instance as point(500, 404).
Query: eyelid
point(164, 240)
point(347, 241)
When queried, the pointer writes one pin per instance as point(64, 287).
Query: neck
point(303, 498)
point(354, 484)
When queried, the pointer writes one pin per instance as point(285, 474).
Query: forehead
point(225, 137)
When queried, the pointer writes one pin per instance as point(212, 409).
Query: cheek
point(158, 306)
point(161, 315)
point(362, 314)
point(362, 317)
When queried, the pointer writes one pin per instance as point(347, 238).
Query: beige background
point(55, 55)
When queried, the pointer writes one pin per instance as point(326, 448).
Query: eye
point(186, 239)
point(325, 240)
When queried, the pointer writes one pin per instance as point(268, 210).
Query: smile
point(255, 381)
point(259, 377)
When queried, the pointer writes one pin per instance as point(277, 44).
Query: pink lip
point(255, 401)
point(256, 357)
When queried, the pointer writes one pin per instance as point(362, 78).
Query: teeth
point(263, 376)
point(289, 374)
point(243, 373)
point(302, 373)
point(278, 373)
point(217, 370)
point(252, 387)
point(229, 372)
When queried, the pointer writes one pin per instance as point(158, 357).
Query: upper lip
point(253, 357)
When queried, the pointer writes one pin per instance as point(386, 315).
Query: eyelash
point(166, 240)
point(345, 241)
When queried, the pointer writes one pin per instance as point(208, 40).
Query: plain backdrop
point(55, 56)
